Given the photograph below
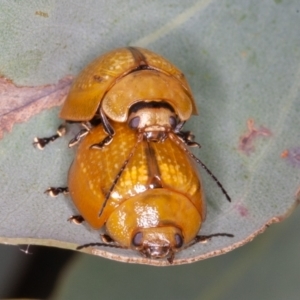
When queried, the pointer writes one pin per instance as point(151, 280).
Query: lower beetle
point(147, 194)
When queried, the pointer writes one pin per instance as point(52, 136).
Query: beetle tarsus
point(42, 142)
point(78, 219)
point(170, 259)
point(188, 138)
point(193, 144)
point(103, 143)
point(55, 191)
point(106, 238)
point(77, 138)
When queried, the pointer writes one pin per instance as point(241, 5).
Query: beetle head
point(159, 242)
point(153, 116)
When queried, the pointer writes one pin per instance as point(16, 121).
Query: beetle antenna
point(98, 244)
point(204, 238)
point(140, 137)
point(180, 143)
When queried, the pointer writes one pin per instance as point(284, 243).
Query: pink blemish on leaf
point(19, 103)
point(243, 211)
point(246, 143)
point(284, 154)
point(298, 196)
point(292, 156)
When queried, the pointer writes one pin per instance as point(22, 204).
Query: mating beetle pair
point(133, 172)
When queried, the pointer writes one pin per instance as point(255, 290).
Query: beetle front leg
point(188, 138)
point(108, 129)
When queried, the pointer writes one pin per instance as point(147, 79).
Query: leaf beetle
point(127, 85)
point(133, 172)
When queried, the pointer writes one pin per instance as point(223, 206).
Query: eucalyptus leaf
point(242, 61)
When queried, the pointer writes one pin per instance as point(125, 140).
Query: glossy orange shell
point(93, 172)
point(152, 209)
point(98, 78)
point(149, 86)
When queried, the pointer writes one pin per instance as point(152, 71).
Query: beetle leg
point(77, 138)
point(55, 191)
point(78, 219)
point(108, 129)
point(87, 126)
point(179, 126)
point(106, 238)
point(107, 140)
point(42, 142)
point(170, 259)
point(188, 138)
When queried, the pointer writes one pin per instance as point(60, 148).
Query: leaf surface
point(242, 61)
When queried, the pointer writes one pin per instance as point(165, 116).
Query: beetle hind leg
point(108, 129)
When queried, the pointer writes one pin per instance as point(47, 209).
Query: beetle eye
point(134, 122)
point(137, 239)
point(178, 240)
point(173, 122)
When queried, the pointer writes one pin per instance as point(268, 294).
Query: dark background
point(267, 268)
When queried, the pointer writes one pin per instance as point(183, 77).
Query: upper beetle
point(132, 85)
point(129, 84)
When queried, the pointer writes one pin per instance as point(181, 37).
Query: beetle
point(109, 87)
point(148, 195)
point(133, 172)
point(153, 195)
